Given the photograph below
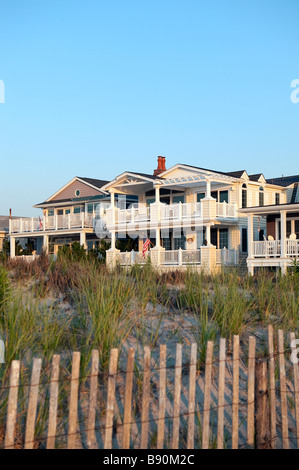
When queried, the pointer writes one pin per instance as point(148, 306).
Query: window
point(261, 196)
point(177, 199)
point(67, 211)
point(297, 228)
point(200, 196)
point(244, 240)
point(150, 201)
point(90, 208)
point(77, 210)
point(214, 236)
point(277, 198)
point(223, 238)
point(214, 194)
point(223, 196)
point(261, 235)
point(50, 212)
point(180, 242)
point(289, 228)
point(77, 192)
point(166, 243)
point(244, 195)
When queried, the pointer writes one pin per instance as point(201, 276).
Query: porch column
point(112, 200)
point(208, 234)
point(250, 235)
point(83, 239)
point(113, 239)
point(46, 243)
point(208, 189)
point(157, 194)
point(283, 226)
point(158, 240)
point(12, 247)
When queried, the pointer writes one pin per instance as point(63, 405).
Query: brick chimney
point(161, 166)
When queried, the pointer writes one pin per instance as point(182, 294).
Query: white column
point(157, 194)
point(12, 247)
point(180, 256)
point(112, 195)
point(83, 239)
point(208, 234)
point(250, 235)
point(46, 243)
point(208, 189)
point(158, 241)
point(283, 227)
point(113, 238)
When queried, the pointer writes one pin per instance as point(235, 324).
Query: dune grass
point(49, 308)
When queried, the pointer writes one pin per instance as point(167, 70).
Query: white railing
point(169, 257)
point(191, 257)
point(227, 257)
point(128, 258)
point(272, 248)
point(293, 248)
point(225, 210)
point(133, 214)
point(266, 248)
point(181, 210)
point(54, 223)
point(168, 212)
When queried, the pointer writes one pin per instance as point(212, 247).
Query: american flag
point(40, 224)
point(146, 243)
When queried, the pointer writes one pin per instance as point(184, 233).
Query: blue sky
point(94, 88)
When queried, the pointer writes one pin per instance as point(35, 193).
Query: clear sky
point(93, 88)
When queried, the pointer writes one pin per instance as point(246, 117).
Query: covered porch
point(281, 246)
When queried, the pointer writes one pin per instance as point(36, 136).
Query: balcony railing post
point(69, 220)
point(32, 224)
point(180, 256)
point(82, 219)
point(180, 210)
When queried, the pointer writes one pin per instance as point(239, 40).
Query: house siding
point(69, 192)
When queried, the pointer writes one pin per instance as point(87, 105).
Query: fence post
point(128, 399)
point(145, 397)
point(53, 402)
point(12, 405)
point(32, 405)
point(110, 398)
point(73, 404)
point(262, 411)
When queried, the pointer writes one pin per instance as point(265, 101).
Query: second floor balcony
point(171, 213)
point(35, 225)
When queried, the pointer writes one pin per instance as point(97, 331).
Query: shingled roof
point(284, 180)
point(93, 181)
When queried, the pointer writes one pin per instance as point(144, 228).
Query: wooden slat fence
point(235, 400)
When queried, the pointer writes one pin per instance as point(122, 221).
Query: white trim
point(118, 178)
point(76, 178)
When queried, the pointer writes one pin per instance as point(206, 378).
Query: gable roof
point(236, 174)
point(184, 165)
point(94, 182)
point(284, 180)
point(153, 177)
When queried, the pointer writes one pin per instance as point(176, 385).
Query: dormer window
point(261, 196)
point(77, 192)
